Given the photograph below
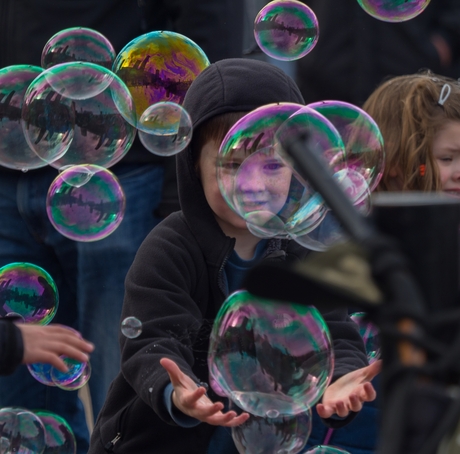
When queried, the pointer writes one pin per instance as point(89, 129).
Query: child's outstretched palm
point(349, 392)
point(192, 400)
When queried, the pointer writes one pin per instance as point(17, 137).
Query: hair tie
point(445, 92)
point(422, 169)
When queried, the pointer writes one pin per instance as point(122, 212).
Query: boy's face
point(262, 184)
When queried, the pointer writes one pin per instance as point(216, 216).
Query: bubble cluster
point(165, 128)
point(159, 66)
point(75, 378)
point(370, 334)
point(270, 358)
point(280, 434)
point(394, 10)
point(85, 203)
point(286, 29)
point(78, 113)
point(29, 291)
point(131, 327)
point(15, 152)
point(21, 431)
point(59, 437)
point(78, 44)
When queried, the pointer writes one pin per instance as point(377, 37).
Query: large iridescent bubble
point(15, 152)
point(286, 29)
point(21, 431)
point(165, 128)
point(254, 180)
point(28, 290)
point(78, 44)
point(364, 151)
point(85, 203)
point(159, 66)
point(85, 105)
point(269, 358)
point(59, 437)
point(280, 434)
point(394, 10)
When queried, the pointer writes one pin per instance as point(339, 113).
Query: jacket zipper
point(109, 446)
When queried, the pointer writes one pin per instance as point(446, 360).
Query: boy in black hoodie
point(179, 281)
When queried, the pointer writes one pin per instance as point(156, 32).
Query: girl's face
point(446, 151)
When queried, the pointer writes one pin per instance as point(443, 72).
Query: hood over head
point(231, 85)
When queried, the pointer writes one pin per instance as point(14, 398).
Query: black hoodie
point(175, 285)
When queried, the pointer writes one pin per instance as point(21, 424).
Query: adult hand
point(45, 344)
point(191, 399)
point(349, 392)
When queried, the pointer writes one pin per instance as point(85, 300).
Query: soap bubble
point(15, 152)
point(370, 334)
point(364, 151)
point(85, 203)
point(28, 290)
point(80, 380)
point(131, 327)
point(21, 431)
point(42, 373)
point(286, 29)
point(159, 66)
point(75, 368)
point(323, 449)
point(394, 10)
point(78, 44)
point(165, 128)
point(280, 434)
point(269, 357)
point(79, 113)
point(253, 179)
point(59, 437)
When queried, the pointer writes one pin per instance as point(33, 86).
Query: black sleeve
point(11, 347)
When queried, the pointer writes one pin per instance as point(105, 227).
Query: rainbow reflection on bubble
point(85, 203)
point(78, 44)
point(252, 178)
point(286, 29)
point(59, 437)
point(85, 105)
point(159, 66)
point(29, 291)
point(370, 334)
point(279, 434)
point(165, 128)
point(41, 372)
point(21, 431)
point(324, 449)
point(364, 150)
point(269, 358)
point(394, 10)
point(15, 152)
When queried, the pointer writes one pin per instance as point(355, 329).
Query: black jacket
point(11, 347)
point(176, 285)
point(356, 52)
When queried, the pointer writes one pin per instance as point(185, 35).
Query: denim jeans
point(89, 276)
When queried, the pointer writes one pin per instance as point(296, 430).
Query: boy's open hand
point(192, 400)
point(349, 392)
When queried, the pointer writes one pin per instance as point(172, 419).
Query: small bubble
point(150, 390)
point(131, 327)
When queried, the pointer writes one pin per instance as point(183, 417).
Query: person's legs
point(26, 235)
point(102, 269)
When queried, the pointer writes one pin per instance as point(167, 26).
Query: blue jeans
point(89, 277)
